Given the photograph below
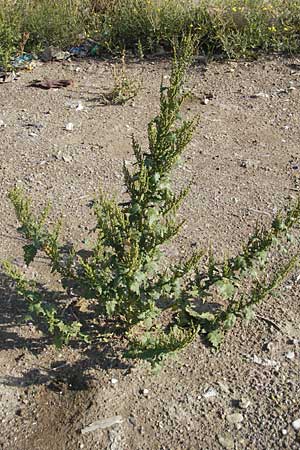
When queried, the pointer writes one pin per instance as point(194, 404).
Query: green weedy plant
point(125, 88)
point(159, 308)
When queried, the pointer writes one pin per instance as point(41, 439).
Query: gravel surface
point(244, 162)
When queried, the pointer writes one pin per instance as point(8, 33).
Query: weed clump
point(124, 88)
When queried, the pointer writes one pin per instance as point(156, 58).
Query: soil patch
point(244, 162)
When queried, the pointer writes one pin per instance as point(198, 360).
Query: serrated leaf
point(215, 337)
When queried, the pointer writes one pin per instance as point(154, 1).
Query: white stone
point(70, 126)
point(290, 355)
point(210, 393)
point(296, 424)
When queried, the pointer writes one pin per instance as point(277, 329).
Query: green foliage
point(236, 28)
point(39, 309)
point(161, 307)
point(10, 34)
point(125, 88)
point(157, 345)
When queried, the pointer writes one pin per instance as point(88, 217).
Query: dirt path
point(244, 162)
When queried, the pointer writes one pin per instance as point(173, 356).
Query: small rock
point(296, 424)
point(102, 424)
point(79, 107)
point(224, 387)
point(145, 392)
point(114, 381)
point(260, 95)
point(226, 441)
point(2, 124)
point(70, 126)
point(290, 355)
point(244, 403)
point(66, 158)
point(249, 164)
point(210, 393)
point(205, 101)
point(284, 432)
point(235, 418)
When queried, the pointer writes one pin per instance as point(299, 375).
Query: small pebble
point(145, 391)
point(260, 95)
point(79, 107)
point(235, 418)
point(290, 355)
point(226, 441)
point(244, 403)
point(70, 126)
point(224, 387)
point(284, 432)
point(114, 381)
point(210, 393)
point(296, 424)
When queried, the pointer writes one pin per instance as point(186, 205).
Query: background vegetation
point(229, 27)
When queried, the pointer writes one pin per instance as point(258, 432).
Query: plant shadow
point(16, 334)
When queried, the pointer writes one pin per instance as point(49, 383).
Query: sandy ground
point(244, 163)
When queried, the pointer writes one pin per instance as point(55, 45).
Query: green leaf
point(30, 252)
point(36, 308)
point(215, 337)
point(152, 215)
point(202, 316)
point(28, 318)
point(225, 288)
point(248, 313)
point(110, 307)
point(229, 322)
point(134, 286)
point(156, 177)
point(240, 263)
point(135, 209)
point(140, 276)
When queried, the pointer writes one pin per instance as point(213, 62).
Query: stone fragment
point(226, 441)
point(101, 424)
point(296, 424)
point(235, 418)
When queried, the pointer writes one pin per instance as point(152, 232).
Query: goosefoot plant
point(160, 308)
point(125, 88)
